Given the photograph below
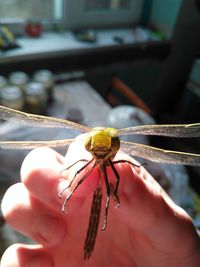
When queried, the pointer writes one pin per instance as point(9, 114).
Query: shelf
point(58, 45)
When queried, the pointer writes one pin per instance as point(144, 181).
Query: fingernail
point(49, 229)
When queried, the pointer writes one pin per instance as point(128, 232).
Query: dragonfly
point(103, 145)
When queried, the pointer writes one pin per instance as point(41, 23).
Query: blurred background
point(116, 63)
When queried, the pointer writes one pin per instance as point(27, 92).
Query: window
point(72, 14)
point(102, 13)
point(15, 10)
point(91, 5)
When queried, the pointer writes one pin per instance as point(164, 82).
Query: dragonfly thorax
point(102, 143)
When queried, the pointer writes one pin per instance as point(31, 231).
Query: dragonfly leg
point(127, 161)
point(117, 184)
point(103, 169)
point(79, 182)
point(67, 168)
point(80, 170)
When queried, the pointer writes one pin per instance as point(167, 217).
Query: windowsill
point(51, 45)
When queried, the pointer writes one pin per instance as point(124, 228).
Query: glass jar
point(46, 78)
point(18, 78)
point(12, 97)
point(35, 98)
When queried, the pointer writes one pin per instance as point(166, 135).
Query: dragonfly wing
point(173, 130)
point(34, 144)
point(160, 155)
point(38, 120)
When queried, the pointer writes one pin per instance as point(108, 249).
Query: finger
point(30, 217)
point(145, 207)
point(41, 174)
point(20, 255)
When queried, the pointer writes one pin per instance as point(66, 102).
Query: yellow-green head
point(102, 143)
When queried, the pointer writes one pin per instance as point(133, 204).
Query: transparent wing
point(34, 144)
point(39, 121)
point(173, 130)
point(160, 155)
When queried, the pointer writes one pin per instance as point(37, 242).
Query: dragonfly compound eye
point(115, 144)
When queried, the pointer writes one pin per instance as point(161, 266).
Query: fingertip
point(77, 151)
point(30, 256)
point(8, 258)
point(40, 158)
point(13, 192)
point(40, 173)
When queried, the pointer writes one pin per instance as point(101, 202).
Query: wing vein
point(173, 130)
point(39, 120)
point(34, 144)
point(160, 155)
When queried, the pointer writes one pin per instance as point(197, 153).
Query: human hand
point(147, 230)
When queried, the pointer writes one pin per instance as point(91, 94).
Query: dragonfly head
point(102, 143)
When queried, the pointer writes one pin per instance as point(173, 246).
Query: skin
point(147, 230)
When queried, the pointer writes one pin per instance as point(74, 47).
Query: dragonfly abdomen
point(93, 223)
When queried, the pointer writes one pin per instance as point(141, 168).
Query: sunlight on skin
point(144, 231)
